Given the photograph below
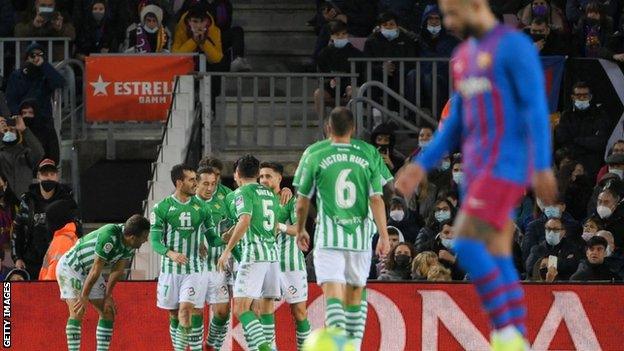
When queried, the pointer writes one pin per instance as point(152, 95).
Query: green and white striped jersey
point(182, 227)
point(219, 212)
point(344, 179)
point(105, 242)
point(221, 192)
point(373, 156)
point(261, 204)
point(290, 257)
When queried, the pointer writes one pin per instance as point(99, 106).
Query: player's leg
point(218, 297)
point(356, 272)
point(70, 288)
point(104, 329)
point(266, 308)
point(299, 311)
point(270, 293)
point(167, 298)
point(329, 266)
point(247, 287)
point(73, 329)
point(219, 324)
point(294, 286)
point(191, 312)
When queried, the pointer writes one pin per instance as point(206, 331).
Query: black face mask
point(48, 185)
point(592, 22)
point(538, 37)
point(32, 70)
point(402, 261)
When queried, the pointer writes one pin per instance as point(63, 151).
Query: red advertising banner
point(401, 317)
point(132, 88)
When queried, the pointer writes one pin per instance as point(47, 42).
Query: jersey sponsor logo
point(108, 247)
point(473, 86)
point(476, 203)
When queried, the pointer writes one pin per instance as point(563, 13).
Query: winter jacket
point(569, 253)
point(26, 29)
point(536, 234)
point(336, 60)
point(183, 42)
point(588, 272)
point(615, 225)
point(19, 161)
point(93, 36)
point(63, 240)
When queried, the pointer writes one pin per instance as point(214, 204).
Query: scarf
point(142, 40)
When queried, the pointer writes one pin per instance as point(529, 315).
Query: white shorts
point(342, 266)
point(257, 280)
point(71, 282)
point(217, 290)
point(294, 286)
point(173, 289)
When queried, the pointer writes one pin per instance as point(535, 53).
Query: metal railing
point(267, 110)
point(13, 47)
point(412, 77)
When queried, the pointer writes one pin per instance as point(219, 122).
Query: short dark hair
point(206, 170)
point(177, 172)
point(197, 11)
point(341, 121)
point(581, 85)
point(597, 240)
point(337, 27)
point(208, 161)
point(393, 231)
point(390, 264)
point(385, 17)
point(136, 225)
point(274, 166)
point(539, 20)
point(248, 166)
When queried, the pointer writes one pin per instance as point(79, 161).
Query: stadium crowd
point(584, 231)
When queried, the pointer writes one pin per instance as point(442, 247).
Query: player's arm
point(115, 275)
point(302, 208)
point(240, 229)
point(210, 231)
point(92, 277)
point(156, 238)
point(378, 208)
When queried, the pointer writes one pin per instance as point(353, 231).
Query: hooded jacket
point(19, 160)
point(183, 42)
point(396, 157)
point(160, 41)
point(63, 240)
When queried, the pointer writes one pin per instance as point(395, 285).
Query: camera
point(11, 121)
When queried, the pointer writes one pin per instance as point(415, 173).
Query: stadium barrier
point(402, 316)
point(14, 48)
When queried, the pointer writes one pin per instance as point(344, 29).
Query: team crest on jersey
point(484, 60)
point(239, 202)
point(196, 207)
point(221, 196)
point(108, 247)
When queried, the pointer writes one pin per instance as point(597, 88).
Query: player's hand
point(227, 235)
point(203, 251)
point(285, 195)
point(109, 306)
point(20, 264)
point(224, 261)
point(446, 256)
point(545, 186)
point(303, 240)
point(177, 257)
point(408, 178)
point(383, 246)
point(80, 305)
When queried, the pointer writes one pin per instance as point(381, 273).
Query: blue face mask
point(390, 34)
point(445, 165)
point(552, 212)
point(458, 177)
point(448, 243)
point(340, 43)
point(9, 137)
point(552, 238)
point(442, 216)
point(581, 104)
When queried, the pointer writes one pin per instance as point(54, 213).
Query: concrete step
point(298, 114)
point(281, 42)
point(277, 138)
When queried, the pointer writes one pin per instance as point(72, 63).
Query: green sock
point(268, 327)
point(254, 334)
point(196, 335)
point(218, 331)
point(103, 334)
point(352, 318)
point(182, 336)
point(363, 313)
point(334, 313)
point(173, 331)
point(303, 331)
point(72, 330)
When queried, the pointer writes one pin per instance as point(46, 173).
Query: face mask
point(340, 43)
point(98, 16)
point(423, 144)
point(397, 215)
point(538, 37)
point(448, 243)
point(552, 238)
point(48, 185)
point(458, 177)
point(586, 235)
point(540, 10)
point(150, 30)
point(604, 212)
point(608, 251)
point(445, 165)
point(581, 104)
point(619, 172)
point(9, 137)
point(434, 30)
point(442, 216)
point(390, 34)
point(32, 69)
point(552, 212)
point(592, 22)
point(402, 261)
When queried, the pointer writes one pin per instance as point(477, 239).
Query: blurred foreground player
point(79, 274)
point(499, 114)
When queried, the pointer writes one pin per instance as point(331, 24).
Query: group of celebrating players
point(243, 248)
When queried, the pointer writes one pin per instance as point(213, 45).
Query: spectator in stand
point(378, 264)
point(576, 189)
point(31, 237)
point(5, 268)
point(443, 246)
point(503, 7)
point(335, 59)
point(536, 232)
point(542, 272)
point(424, 138)
point(404, 10)
point(591, 227)
point(8, 209)
point(7, 18)
point(615, 47)
point(422, 201)
point(197, 32)
point(399, 263)
point(149, 35)
point(131, 11)
point(614, 255)
point(442, 176)
point(616, 149)
point(384, 140)
point(568, 252)
point(576, 8)
point(611, 181)
point(44, 21)
point(615, 162)
point(97, 33)
point(62, 221)
point(403, 219)
point(30, 88)
point(443, 211)
point(549, 42)
point(389, 41)
point(422, 264)
point(595, 268)
point(612, 214)
point(545, 10)
point(20, 151)
point(593, 31)
point(117, 17)
point(439, 273)
point(433, 42)
point(16, 275)
point(584, 130)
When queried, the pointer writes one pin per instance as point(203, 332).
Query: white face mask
point(340, 43)
point(604, 212)
point(423, 144)
point(448, 243)
point(581, 104)
point(397, 215)
point(9, 137)
point(619, 172)
point(390, 34)
point(553, 238)
point(458, 177)
point(434, 30)
point(586, 236)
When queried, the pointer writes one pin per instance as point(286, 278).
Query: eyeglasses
point(33, 55)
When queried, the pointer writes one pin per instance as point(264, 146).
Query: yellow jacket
point(182, 43)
